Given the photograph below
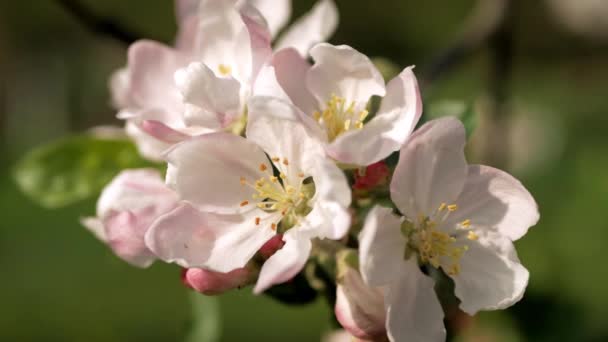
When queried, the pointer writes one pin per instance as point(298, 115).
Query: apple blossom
point(127, 207)
point(240, 192)
point(459, 218)
point(332, 98)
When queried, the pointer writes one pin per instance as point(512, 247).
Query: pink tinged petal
point(222, 243)
point(413, 309)
point(261, 48)
point(151, 66)
point(359, 308)
point(127, 208)
point(216, 96)
point(291, 69)
point(163, 132)
point(344, 72)
point(226, 39)
point(274, 125)
point(314, 27)
point(148, 146)
point(276, 13)
point(120, 83)
point(213, 283)
point(432, 168)
point(494, 200)
point(188, 36)
point(184, 9)
point(381, 247)
point(95, 226)
point(285, 263)
point(207, 171)
point(388, 130)
point(491, 276)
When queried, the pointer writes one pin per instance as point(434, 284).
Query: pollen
point(452, 207)
point(273, 226)
point(338, 117)
point(466, 223)
point(224, 69)
point(276, 159)
point(243, 181)
point(285, 161)
point(472, 236)
point(244, 203)
point(257, 221)
point(263, 167)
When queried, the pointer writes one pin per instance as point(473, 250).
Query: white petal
point(344, 72)
point(151, 66)
point(185, 9)
point(314, 27)
point(221, 243)
point(381, 247)
point(95, 226)
point(431, 169)
point(215, 96)
point(388, 130)
point(491, 276)
point(120, 83)
point(276, 13)
point(359, 308)
point(494, 200)
point(413, 309)
point(226, 38)
point(206, 171)
point(291, 69)
point(275, 125)
point(285, 263)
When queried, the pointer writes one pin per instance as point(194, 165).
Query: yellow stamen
point(472, 236)
point(224, 69)
point(452, 207)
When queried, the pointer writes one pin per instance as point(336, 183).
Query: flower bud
point(214, 283)
point(271, 246)
point(375, 175)
point(359, 308)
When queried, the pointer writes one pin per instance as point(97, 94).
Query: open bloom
point(457, 217)
point(217, 86)
point(126, 209)
point(332, 98)
point(240, 192)
point(224, 37)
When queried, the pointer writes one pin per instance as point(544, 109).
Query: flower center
point(274, 194)
point(338, 117)
point(435, 246)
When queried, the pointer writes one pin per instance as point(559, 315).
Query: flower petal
point(491, 276)
point(290, 69)
point(207, 171)
point(344, 72)
point(120, 84)
point(216, 96)
point(381, 247)
point(274, 125)
point(494, 200)
point(221, 243)
point(388, 130)
point(125, 231)
point(226, 39)
point(285, 263)
point(148, 146)
point(413, 309)
point(432, 168)
point(213, 283)
point(276, 13)
point(185, 9)
point(151, 66)
point(359, 308)
point(314, 27)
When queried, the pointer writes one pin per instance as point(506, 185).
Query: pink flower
point(459, 218)
point(127, 207)
point(235, 202)
point(331, 99)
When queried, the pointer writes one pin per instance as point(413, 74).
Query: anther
point(244, 203)
point(276, 159)
point(285, 161)
point(273, 226)
point(472, 236)
point(466, 223)
point(452, 207)
point(257, 221)
point(263, 167)
point(442, 206)
point(301, 175)
point(243, 181)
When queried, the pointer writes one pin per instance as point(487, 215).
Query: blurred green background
point(58, 283)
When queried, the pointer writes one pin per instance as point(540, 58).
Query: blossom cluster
point(276, 152)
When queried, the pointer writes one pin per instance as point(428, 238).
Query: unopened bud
point(373, 176)
point(271, 246)
point(214, 283)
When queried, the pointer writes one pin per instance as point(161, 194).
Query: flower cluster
point(273, 160)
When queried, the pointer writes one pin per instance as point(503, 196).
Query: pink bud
point(271, 246)
point(214, 283)
point(359, 308)
point(375, 175)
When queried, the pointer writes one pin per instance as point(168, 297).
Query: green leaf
point(464, 111)
point(74, 168)
point(206, 325)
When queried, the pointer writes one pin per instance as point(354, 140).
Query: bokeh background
point(540, 87)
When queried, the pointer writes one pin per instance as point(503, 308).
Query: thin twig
point(97, 24)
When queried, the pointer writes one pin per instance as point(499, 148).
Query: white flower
point(458, 217)
point(332, 99)
point(240, 192)
point(127, 207)
point(145, 90)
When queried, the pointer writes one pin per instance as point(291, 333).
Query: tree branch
point(97, 24)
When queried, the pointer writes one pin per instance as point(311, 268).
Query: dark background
point(540, 87)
